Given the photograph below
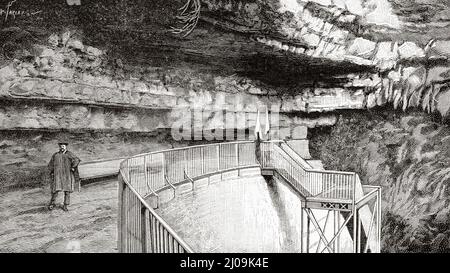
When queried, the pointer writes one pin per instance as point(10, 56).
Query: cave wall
point(62, 87)
point(408, 154)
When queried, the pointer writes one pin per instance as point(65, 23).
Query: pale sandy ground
point(26, 225)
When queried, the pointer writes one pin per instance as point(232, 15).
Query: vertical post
point(379, 220)
point(301, 228)
point(355, 223)
point(120, 212)
point(163, 166)
point(151, 227)
point(335, 213)
point(308, 222)
point(202, 160)
point(131, 219)
point(237, 155)
point(260, 154)
point(124, 220)
point(338, 243)
point(218, 157)
point(146, 174)
point(359, 235)
point(185, 161)
point(128, 170)
point(144, 224)
point(355, 218)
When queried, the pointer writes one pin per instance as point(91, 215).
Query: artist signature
point(8, 12)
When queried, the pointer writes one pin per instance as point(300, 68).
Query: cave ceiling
point(280, 42)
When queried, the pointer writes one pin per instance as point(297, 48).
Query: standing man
point(64, 175)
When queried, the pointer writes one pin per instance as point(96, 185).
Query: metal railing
point(330, 186)
point(309, 182)
point(142, 176)
point(140, 227)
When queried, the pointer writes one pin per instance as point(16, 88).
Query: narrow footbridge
point(353, 210)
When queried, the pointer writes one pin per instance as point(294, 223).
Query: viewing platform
point(146, 181)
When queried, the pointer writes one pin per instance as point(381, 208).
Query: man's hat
point(63, 142)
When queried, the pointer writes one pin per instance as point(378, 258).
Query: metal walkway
point(351, 205)
point(354, 208)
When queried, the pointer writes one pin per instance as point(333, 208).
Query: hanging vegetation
point(188, 18)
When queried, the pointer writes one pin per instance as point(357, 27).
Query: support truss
point(364, 217)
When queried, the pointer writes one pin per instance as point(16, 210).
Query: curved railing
point(144, 175)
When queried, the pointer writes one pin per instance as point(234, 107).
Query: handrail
point(323, 186)
point(312, 170)
point(299, 159)
point(290, 156)
point(329, 171)
point(160, 220)
point(149, 172)
point(279, 142)
point(188, 147)
point(199, 146)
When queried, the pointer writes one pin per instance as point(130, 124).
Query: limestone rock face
point(328, 30)
point(300, 43)
point(64, 74)
point(409, 157)
point(66, 87)
point(362, 47)
point(410, 50)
